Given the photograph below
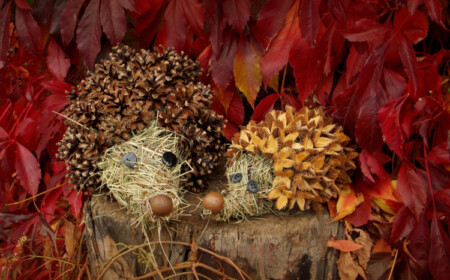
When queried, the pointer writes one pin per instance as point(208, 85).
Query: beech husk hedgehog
point(303, 159)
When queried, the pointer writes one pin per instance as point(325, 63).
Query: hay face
point(134, 172)
point(250, 179)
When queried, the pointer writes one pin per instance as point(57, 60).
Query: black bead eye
point(252, 186)
point(129, 159)
point(169, 159)
point(236, 177)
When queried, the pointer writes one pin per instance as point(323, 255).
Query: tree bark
point(268, 247)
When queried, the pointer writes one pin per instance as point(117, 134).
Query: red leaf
point(272, 16)
point(439, 154)
point(355, 62)
point(222, 63)
point(225, 96)
point(49, 203)
point(28, 30)
point(444, 196)
point(175, 23)
point(112, 17)
point(246, 70)
point(290, 100)
point(414, 27)
point(28, 170)
point(237, 13)
point(76, 202)
point(434, 8)
point(367, 129)
point(404, 223)
point(265, 106)
point(69, 18)
point(439, 258)
point(370, 165)
point(195, 15)
point(408, 57)
point(396, 85)
point(89, 32)
point(389, 117)
point(57, 60)
point(4, 30)
point(362, 213)
point(235, 111)
point(22, 4)
point(344, 245)
point(309, 21)
point(277, 53)
point(412, 189)
point(145, 20)
point(308, 67)
point(366, 30)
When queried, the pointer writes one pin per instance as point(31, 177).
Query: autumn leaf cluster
point(379, 68)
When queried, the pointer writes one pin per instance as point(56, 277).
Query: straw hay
point(133, 187)
point(239, 202)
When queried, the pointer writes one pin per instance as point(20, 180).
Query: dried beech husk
point(312, 157)
point(123, 95)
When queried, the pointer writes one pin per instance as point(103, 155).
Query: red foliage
point(380, 68)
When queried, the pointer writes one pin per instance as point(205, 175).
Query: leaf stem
point(34, 196)
point(284, 78)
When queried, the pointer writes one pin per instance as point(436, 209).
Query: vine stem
point(34, 196)
point(429, 179)
point(126, 251)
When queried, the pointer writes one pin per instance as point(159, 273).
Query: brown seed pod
point(213, 201)
point(161, 205)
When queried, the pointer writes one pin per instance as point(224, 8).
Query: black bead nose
point(236, 177)
point(252, 186)
point(129, 159)
point(169, 159)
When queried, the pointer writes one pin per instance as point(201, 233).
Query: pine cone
point(124, 94)
point(312, 156)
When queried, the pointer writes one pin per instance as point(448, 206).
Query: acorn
point(161, 205)
point(213, 201)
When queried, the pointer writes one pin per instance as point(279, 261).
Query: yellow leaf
point(281, 202)
point(273, 84)
point(308, 143)
point(301, 203)
point(291, 137)
point(318, 162)
point(244, 137)
point(271, 146)
point(258, 141)
point(282, 119)
point(323, 142)
point(246, 70)
point(282, 182)
point(301, 156)
point(347, 202)
point(250, 148)
point(328, 128)
point(275, 193)
point(284, 153)
point(285, 173)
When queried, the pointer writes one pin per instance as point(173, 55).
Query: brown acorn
point(213, 201)
point(161, 205)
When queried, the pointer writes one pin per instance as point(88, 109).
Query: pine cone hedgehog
point(123, 96)
point(293, 158)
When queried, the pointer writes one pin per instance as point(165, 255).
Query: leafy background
point(380, 68)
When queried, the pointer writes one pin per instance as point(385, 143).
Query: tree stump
point(268, 247)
